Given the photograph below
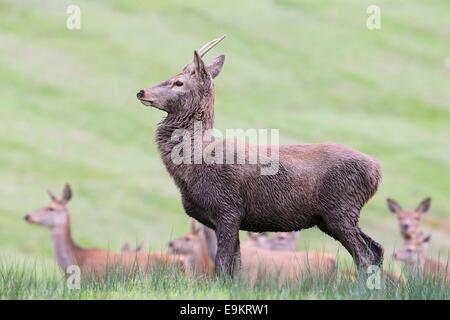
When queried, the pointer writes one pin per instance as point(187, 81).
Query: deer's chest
point(198, 208)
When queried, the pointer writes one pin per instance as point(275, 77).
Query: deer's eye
point(178, 83)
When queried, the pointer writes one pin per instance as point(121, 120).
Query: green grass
point(310, 68)
point(39, 281)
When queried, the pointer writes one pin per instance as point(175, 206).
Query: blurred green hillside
point(311, 68)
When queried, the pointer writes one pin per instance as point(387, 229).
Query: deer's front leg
point(228, 250)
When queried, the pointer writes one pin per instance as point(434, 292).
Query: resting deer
point(126, 248)
point(193, 245)
point(414, 255)
point(324, 185)
point(257, 263)
point(261, 239)
point(93, 263)
point(283, 266)
point(409, 220)
point(280, 241)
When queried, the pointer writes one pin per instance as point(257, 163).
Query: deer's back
point(99, 262)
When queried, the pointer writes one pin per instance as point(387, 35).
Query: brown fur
point(323, 185)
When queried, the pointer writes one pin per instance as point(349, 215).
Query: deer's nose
point(140, 94)
point(171, 244)
point(405, 227)
point(27, 217)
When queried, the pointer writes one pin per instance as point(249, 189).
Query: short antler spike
point(208, 46)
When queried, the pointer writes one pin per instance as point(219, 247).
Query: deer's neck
point(200, 261)
point(177, 129)
point(65, 249)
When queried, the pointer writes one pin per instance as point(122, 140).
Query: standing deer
point(409, 220)
point(93, 263)
point(324, 185)
point(414, 255)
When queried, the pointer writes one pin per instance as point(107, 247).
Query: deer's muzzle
point(140, 94)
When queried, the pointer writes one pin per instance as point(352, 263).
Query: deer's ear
point(252, 235)
point(199, 65)
point(67, 194)
point(216, 65)
point(393, 206)
point(52, 196)
point(195, 227)
point(424, 206)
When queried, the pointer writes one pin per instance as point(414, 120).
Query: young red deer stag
point(323, 185)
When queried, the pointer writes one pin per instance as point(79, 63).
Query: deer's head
point(126, 248)
point(414, 250)
point(55, 214)
point(284, 241)
point(409, 220)
point(190, 243)
point(187, 89)
point(259, 239)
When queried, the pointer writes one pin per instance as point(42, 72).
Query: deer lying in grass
point(126, 248)
point(324, 185)
point(409, 220)
point(280, 241)
point(284, 266)
point(414, 255)
point(257, 263)
point(261, 239)
point(93, 263)
point(194, 247)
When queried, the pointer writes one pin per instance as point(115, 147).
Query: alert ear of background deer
point(393, 206)
point(324, 185)
point(424, 206)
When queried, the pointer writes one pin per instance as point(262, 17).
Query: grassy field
point(310, 68)
point(39, 281)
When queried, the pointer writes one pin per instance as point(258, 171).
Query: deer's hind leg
point(376, 249)
point(344, 228)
